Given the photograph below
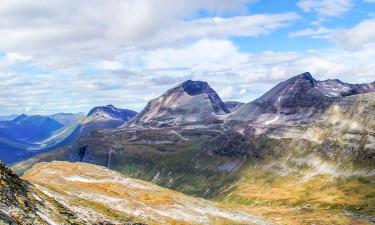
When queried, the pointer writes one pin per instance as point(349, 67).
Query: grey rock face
point(187, 103)
point(299, 98)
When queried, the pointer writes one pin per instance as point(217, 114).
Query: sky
point(69, 56)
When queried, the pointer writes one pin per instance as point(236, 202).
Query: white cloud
point(320, 32)
point(69, 36)
point(216, 27)
point(204, 54)
point(110, 65)
point(356, 38)
point(226, 92)
point(93, 52)
point(360, 36)
point(68, 25)
point(235, 74)
point(17, 57)
point(326, 8)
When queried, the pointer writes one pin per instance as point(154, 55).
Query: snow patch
point(45, 218)
point(229, 166)
point(268, 122)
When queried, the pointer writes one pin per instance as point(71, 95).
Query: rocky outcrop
point(21, 204)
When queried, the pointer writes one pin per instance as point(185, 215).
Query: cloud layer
point(66, 55)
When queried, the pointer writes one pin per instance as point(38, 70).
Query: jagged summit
point(188, 102)
point(305, 76)
point(298, 98)
point(195, 87)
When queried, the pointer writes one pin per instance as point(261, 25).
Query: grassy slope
point(303, 190)
point(102, 192)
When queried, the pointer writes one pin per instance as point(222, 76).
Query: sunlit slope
point(306, 183)
point(20, 204)
point(93, 191)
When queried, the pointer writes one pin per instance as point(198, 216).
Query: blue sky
point(69, 56)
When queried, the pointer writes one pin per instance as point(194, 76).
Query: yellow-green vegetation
point(95, 193)
point(305, 188)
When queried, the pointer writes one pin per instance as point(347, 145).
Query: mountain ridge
point(300, 98)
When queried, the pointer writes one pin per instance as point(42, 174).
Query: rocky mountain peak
point(306, 76)
point(188, 102)
point(195, 87)
point(299, 98)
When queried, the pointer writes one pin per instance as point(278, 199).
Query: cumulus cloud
point(69, 25)
point(234, 74)
point(217, 27)
point(360, 36)
point(326, 8)
point(356, 38)
point(67, 55)
point(319, 32)
point(226, 92)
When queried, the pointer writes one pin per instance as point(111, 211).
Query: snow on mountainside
point(298, 98)
point(188, 102)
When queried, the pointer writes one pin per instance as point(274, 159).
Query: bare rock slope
point(187, 103)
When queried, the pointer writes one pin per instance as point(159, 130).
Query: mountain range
point(302, 153)
point(25, 136)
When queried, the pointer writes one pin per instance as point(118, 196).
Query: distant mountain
point(298, 98)
point(26, 136)
point(187, 103)
point(110, 112)
point(28, 129)
point(8, 118)
point(67, 118)
point(105, 117)
point(233, 105)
